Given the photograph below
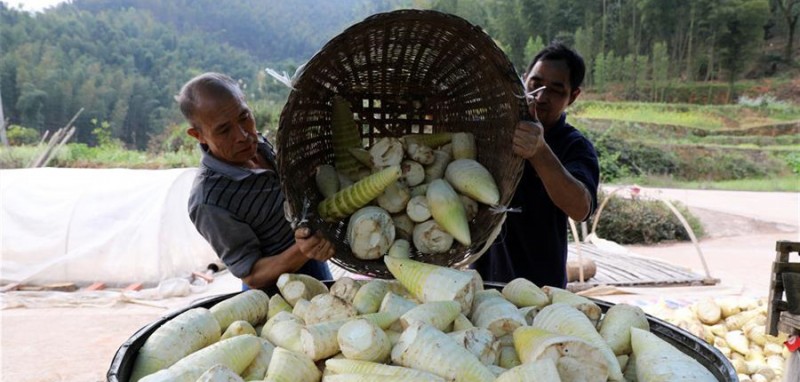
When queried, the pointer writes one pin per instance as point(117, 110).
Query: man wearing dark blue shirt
point(236, 202)
point(560, 177)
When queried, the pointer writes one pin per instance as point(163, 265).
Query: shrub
point(620, 158)
point(642, 221)
point(172, 139)
point(793, 161)
point(104, 135)
point(720, 164)
point(20, 135)
point(645, 159)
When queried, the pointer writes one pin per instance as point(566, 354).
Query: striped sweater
point(239, 211)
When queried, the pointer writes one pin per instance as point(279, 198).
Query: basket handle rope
point(531, 96)
point(297, 221)
point(284, 78)
point(500, 209)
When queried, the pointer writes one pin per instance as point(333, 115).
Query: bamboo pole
point(56, 141)
point(3, 124)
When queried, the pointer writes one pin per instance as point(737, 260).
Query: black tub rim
point(122, 363)
point(710, 357)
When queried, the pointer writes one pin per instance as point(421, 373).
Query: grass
point(18, 156)
point(711, 117)
point(634, 113)
point(788, 183)
point(739, 146)
point(660, 135)
point(791, 141)
point(81, 155)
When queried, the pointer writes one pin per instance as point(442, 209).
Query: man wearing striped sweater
point(236, 201)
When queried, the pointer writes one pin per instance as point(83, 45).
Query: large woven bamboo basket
point(403, 72)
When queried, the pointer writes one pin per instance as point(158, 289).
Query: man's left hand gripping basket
point(403, 72)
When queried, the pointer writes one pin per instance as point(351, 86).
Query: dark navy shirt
point(533, 243)
point(239, 211)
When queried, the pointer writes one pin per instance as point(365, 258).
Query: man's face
point(227, 126)
point(559, 94)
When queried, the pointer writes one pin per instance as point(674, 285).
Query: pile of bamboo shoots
point(417, 192)
point(735, 326)
point(430, 324)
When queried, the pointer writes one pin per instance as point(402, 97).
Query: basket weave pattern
point(403, 72)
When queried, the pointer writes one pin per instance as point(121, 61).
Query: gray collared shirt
point(239, 211)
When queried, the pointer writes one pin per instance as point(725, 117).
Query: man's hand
point(528, 139)
point(313, 246)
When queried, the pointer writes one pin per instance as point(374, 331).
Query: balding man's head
point(206, 90)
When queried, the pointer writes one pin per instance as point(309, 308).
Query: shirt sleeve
point(583, 165)
point(233, 240)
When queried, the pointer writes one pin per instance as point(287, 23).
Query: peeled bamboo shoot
point(350, 199)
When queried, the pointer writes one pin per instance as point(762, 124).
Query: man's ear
point(525, 79)
point(194, 132)
point(574, 95)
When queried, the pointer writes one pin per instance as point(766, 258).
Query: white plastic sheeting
point(88, 225)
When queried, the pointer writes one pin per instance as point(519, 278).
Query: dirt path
point(61, 344)
point(77, 344)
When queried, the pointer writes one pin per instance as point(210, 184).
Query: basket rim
point(503, 71)
point(409, 13)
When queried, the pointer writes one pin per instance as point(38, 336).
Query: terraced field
point(681, 145)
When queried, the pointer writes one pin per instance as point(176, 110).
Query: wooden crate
point(778, 319)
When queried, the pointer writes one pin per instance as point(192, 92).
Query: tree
point(660, 65)
point(31, 104)
point(473, 11)
point(123, 60)
point(614, 67)
point(600, 72)
point(741, 32)
point(584, 45)
point(509, 22)
point(118, 63)
point(630, 71)
point(533, 46)
point(791, 13)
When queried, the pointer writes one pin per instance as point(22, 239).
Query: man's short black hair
point(557, 51)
